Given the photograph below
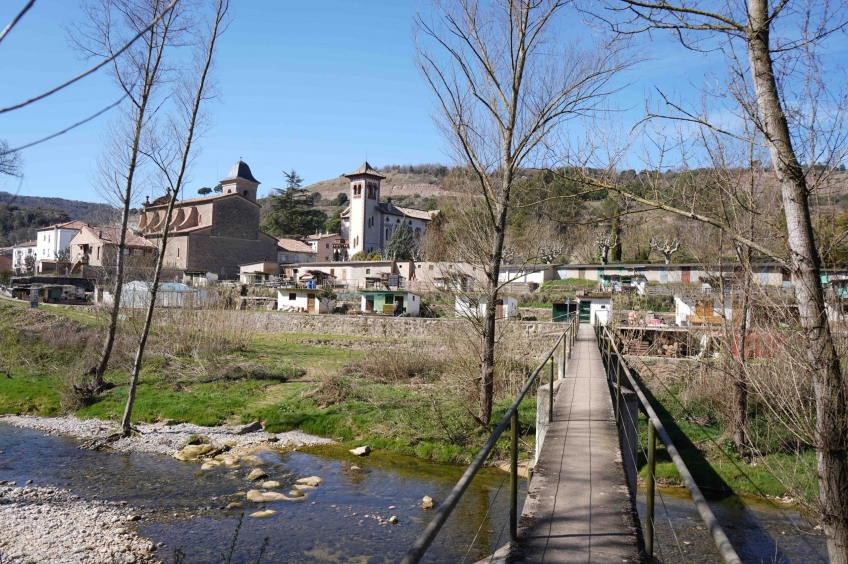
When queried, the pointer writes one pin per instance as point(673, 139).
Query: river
point(183, 507)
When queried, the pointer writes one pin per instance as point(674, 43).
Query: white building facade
point(367, 224)
point(50, 241)
point(20, 253)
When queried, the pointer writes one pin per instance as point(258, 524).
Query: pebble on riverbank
point(50, 525)
point(165, 439)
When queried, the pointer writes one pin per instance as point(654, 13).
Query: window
point(98, 253)
point(328, 245)
point(292, 297)
point(430, 267)
point(367, 271)
point(178, 252)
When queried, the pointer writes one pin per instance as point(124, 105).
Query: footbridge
point(580, 504)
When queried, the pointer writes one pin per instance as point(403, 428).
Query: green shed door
point(559, 313)
point(585, 311)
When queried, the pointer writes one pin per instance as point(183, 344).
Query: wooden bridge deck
point(578, 507)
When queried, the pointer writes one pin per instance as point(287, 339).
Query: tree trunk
point(487, 366)
point(823, 363)
point(740, 380)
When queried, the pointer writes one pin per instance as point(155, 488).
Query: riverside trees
point(505, 84)
point(775, 82)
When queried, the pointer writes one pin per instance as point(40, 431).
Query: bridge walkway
point(578, 506)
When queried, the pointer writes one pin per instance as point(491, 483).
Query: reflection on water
point(759, 531)
point(185, 507)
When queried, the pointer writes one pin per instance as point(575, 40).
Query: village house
point(214, 233)
point(368, 224)
point(98, 246)
point(321, 245)
point(293, 251)
point(470, 307)
point(53, 244)
point(19, 254)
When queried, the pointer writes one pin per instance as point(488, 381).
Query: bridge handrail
point(725, 548)
point(428, 535)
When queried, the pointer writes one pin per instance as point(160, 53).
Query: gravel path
point(160, 438)
point(50, 525)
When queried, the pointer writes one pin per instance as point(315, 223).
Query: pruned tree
point(327, 296)
point(775, 82)
point(605, 242)
point(666, 246)
point(504, 83)
point(171, 149)
point(140, 72)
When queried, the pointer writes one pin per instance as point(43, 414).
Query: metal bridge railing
point(608, 345)
point(422, 543)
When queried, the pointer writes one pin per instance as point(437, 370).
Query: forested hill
point(88, 212)
point(20, 216)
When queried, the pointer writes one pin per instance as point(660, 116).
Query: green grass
point(23, 393)
point(425, 419)
point(712, 458)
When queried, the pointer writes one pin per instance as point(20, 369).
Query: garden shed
point(380, 301)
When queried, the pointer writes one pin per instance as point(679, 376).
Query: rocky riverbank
point(165, 437)
point(40, 524)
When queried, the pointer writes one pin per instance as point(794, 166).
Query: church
point(368, 224)
point(215, 233)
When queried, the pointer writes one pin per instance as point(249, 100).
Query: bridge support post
point(618, 389)
point(649, 510)
point(551, 395)
point(513, 478)
point(562, 355)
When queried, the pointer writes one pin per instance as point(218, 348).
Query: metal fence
point(616, 368)
point(564, 343)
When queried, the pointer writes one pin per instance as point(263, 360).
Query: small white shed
point(465, 306)
point(299, 300)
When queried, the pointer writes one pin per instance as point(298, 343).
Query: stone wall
point(532, 338)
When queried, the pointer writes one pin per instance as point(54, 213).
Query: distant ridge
point(89, 212)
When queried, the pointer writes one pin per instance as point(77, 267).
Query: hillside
point(88, 212)
point(20, 216)
point(408, 186)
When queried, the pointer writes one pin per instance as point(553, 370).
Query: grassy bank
point(407, 397)
point(692, 402)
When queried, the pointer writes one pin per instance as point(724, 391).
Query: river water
point(760, 531)
point(183, 507)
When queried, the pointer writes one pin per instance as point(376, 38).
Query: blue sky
point(312, 86)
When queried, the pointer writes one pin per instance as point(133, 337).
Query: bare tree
point(605, 242)
point(503, 84)
point(10, 161)
point(775, 64)
point(666, 246)
point(140, 73)
point(172, 152)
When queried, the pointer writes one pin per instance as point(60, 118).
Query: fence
point(564, 343)
point(608, 342)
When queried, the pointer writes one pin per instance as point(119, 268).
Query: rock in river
point(310, 481)
point(264, 513)
point(257, 474)
point(427, 502)
point(193, 452)
point(260, 497)
point(270, 484)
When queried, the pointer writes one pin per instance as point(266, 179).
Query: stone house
point(214, 233)
point(98, 246)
